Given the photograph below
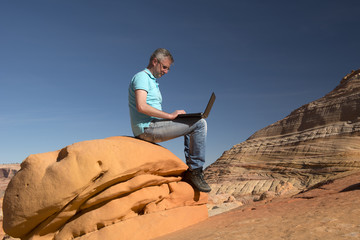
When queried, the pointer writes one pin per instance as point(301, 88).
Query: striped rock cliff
point(315, 143)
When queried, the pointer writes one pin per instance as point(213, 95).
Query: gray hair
point(160, 54)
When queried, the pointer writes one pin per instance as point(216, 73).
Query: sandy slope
point(329, 212)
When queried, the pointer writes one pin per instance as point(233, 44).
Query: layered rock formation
point(316, 142)
point(114, 188)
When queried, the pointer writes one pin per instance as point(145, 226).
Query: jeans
point(194, 131)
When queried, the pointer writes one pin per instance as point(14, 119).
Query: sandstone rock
point(219, 203)
point(102, 188)
point(150, 225)
point(7, 237)
point(316, 142)
point(267, 195)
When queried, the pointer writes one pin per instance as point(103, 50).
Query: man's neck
point(151, 69)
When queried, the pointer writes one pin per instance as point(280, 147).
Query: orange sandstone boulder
point(101, 189)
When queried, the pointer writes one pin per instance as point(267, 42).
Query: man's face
point(161, 67)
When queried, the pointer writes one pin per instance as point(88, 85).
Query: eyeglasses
point(163, 67)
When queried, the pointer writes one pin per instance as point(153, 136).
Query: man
point(149, 122)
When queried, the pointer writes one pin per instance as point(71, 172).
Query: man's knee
point(202, 124)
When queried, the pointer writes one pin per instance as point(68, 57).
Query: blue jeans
point(194, 131)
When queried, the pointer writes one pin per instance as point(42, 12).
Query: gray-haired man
point(149, 122)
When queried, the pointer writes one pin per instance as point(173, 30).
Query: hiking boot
point(195, 178)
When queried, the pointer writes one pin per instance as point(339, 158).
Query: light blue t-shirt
point(143, 80)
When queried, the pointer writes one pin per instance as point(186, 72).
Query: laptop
point(205, 114)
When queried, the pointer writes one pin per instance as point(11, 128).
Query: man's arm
point(143, 107)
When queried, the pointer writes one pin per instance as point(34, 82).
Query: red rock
point(107, 186)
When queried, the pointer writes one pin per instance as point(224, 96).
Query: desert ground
point(329, 212)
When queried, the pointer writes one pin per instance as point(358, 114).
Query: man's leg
point(195, 143)
point(194, 131)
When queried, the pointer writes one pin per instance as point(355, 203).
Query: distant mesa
point(7, 171)
point(316, 142)
point(113, 188)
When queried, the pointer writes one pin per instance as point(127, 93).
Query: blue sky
point(65, 65)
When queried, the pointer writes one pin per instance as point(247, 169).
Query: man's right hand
point(176, 113)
